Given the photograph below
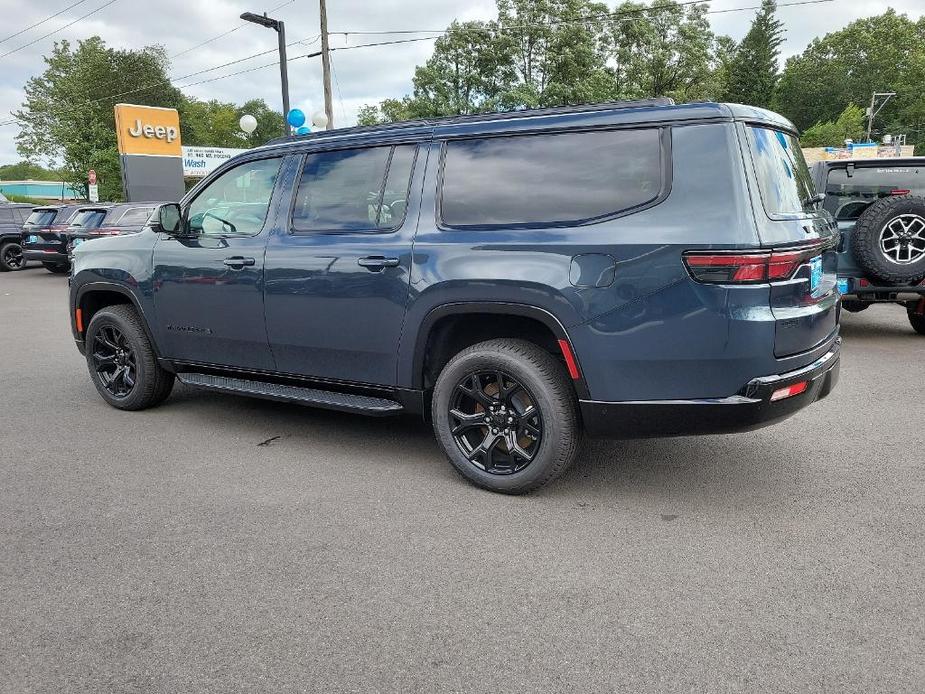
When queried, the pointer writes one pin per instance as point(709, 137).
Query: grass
point(25, 198)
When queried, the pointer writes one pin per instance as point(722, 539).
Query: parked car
point(518, 278)
point(95, 221)
point(12, 217)
point(879, 205)
point(45, 237)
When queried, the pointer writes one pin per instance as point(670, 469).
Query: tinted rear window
point(846, 197)
point(88, 219)
point(784, 181)
point(136, 216)
point(538, 180)
point(42, 218)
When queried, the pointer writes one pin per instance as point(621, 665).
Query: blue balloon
point(296, 117)
point(304, 130)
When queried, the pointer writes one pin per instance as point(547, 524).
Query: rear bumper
point(45, 256)
point(751, 408)
point(862, 289)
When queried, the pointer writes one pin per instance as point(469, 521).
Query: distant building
point(47, 190)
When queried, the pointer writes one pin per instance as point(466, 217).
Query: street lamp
point(280, 28)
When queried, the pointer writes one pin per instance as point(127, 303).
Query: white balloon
point(319, 120)
point(248, 124)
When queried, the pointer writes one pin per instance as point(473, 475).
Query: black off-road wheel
point(121, 361)
point(889, 239)
point(506, 415)
point(56, 268)
point(11, 258)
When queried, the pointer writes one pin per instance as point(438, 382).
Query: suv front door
point(208, 278)
point(338, 275)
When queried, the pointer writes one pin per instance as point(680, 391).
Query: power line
point(226, 33)
point(581, 20)
point(51, 33)
point(49, 17)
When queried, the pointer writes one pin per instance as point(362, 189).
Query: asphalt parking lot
point(224, 544)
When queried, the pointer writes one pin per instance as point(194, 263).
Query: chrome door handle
point(237, 262)
point(377, 262)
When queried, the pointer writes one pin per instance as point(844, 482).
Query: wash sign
point(201, 161)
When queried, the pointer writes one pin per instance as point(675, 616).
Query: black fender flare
point(116, 288)
point(416, 365)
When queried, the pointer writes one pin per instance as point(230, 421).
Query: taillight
point(748, 268)
point(900, 191)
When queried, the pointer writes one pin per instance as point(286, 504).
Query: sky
point(361, 76)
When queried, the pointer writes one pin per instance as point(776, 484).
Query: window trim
point(206, 182)
point(665, 161)
point(385, 177)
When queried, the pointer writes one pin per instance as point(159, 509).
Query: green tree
point(753, 72)
point(26, 171)
point(68, 114)
point(850, 124)
point(880, 53)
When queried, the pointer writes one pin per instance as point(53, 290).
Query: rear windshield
point(784, 181)
point(88, 219)
point(846, 197)
point(135, 216)
point(42, 218)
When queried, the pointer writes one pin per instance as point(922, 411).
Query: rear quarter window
point(784, 182)
point(135, 216)
point(550, 179)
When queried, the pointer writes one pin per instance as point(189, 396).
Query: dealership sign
point(201, 161)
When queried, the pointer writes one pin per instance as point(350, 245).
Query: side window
point(136, 216)
point(354, 189)
point(237, 202)
point(554, 179)
point(6, 215)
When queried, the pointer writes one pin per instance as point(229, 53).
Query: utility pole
point(874, 109)
point(326, 65)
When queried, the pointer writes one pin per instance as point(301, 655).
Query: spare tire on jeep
point(889, 239)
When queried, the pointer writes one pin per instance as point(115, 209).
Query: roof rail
point(476, 117)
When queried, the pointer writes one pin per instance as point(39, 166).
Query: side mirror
point(167, 218)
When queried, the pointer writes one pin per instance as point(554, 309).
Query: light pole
point(280, 28)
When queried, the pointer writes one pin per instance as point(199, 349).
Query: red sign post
point(91, 177)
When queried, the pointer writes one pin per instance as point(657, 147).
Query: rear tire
point(122, 363)
point(889, 239)
point(56, 268)
point(11, 258)
point(916, 320)
point(506, 415)
point(854, 305)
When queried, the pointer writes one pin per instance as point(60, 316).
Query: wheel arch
point(94, 296)
point(452, 316)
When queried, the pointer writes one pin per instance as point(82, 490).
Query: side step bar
point(328, 399)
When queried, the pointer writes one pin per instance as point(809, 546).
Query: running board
point(328, 399)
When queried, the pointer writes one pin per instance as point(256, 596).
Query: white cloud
point(363, 76)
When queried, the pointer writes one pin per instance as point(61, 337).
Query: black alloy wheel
point(11, 257)
point(496, 422)
point(114, 361)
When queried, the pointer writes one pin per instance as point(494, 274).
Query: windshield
point(41, 218)
point(88, 219)
point(847, 196)
point(784, 180)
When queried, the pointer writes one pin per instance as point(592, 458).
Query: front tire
point(506, 415)
point(122, 363)
point(11, 258)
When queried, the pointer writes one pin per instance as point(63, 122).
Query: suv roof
point(659, 110)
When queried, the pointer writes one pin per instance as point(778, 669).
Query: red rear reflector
point(79, 320)
point(570, 362)
point(789, 391)
point(900, 191)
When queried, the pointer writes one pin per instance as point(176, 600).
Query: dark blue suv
point(628, 269)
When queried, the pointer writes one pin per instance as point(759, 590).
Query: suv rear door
point(338, 272)
point(805, 307)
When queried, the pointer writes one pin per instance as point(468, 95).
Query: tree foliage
point(850, 124)
point(68, 116)
point(28, 171)
point(883, 53)
point(753, 72)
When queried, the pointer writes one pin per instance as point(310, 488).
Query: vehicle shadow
point(714, 469)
